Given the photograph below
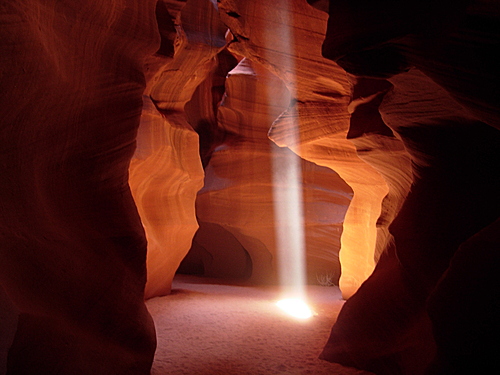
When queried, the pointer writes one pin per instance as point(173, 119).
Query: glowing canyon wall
point(432, 297)
point(139, 136)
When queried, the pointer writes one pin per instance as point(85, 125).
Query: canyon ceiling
point(137, 137)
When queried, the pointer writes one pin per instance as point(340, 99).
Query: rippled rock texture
point(137, 136)
point(320, 107)
point(435, 284)
point(236, 207)
point(72, 248)
point(166, 170)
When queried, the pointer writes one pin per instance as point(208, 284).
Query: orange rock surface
point(413, 314)
point(166, 170)
point(72, 248)
point(125, 125)
point(321, 93)
point(240, 192)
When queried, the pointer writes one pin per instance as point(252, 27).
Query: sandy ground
point(208, 328)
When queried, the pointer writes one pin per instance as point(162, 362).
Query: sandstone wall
point(439, 58)
point(120, 135)
point(72, 248)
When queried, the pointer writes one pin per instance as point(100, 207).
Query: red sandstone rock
point(437, 112)
point(166, 171)
point(423, 171)
point(72, 248)
point(240, 191)
point(165, 175)
point(321, 92)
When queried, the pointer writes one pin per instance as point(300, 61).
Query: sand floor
point(207, 328)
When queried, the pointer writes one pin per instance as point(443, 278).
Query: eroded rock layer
point(240, 190)
point(411, 129)
point(165, 175)
point(287, 40)
point(72, 248)
point(394, 334)
point(445, 110)
point(166, 171)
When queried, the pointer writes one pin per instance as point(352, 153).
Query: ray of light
point(295, 307)
point(287, 190)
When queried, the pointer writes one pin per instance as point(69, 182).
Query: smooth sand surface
point(205, 327)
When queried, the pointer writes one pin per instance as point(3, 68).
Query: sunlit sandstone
point(238, 194)
point(322, 92)
point(166, 171)
point(418, 146)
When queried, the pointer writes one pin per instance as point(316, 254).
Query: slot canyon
point(139, 139)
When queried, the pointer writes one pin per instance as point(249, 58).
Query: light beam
point(295, 307)
point(287, 186)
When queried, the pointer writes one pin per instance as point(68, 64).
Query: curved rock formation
point(441, 111)
point(291, 48)
point(165, 175)
point(166, 171)
point(411, 129)
point(72, 248)
point(240, 191)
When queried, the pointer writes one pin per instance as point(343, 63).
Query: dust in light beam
point(287, 191)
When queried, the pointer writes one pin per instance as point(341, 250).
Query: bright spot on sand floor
point(295, 307)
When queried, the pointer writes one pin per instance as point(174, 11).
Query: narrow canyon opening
point(269, 218)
